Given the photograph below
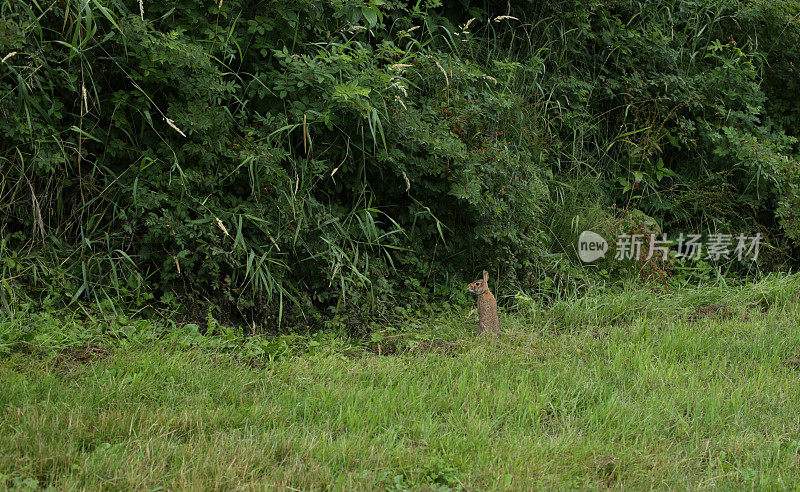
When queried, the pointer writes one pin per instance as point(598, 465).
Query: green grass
point(693, 398)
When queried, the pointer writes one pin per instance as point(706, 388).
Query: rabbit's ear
point(485, 276)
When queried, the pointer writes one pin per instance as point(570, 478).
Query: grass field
point(632, 391)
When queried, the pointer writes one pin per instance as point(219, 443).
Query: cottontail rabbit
point(487, 305)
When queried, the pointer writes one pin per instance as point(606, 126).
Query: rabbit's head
point(478, 287)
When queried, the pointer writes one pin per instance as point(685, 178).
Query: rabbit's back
point(487, 314)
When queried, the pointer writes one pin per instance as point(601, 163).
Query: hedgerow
point(300, 161)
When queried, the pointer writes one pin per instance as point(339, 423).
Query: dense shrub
point(281, 158)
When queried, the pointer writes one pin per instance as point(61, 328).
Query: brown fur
point(487, 305)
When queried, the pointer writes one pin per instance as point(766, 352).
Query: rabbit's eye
point(478, 284)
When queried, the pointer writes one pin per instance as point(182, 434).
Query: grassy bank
point(702, 395)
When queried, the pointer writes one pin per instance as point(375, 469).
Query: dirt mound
point(713, 311)
point(72, 357)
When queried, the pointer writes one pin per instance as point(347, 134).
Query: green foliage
point(306, 162)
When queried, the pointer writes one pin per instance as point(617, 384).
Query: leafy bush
point(307, 159)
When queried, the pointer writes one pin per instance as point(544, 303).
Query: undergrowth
point(54, 333)
point(289, 162)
